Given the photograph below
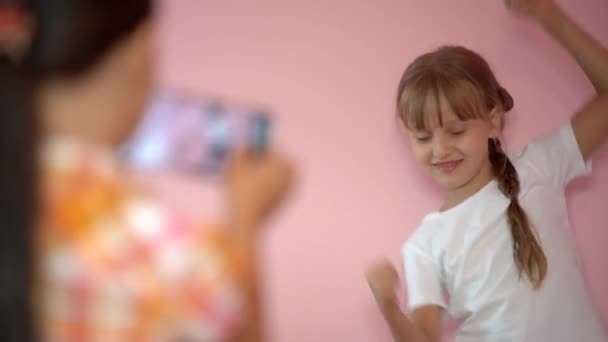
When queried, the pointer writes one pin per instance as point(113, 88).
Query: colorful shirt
point(115, 265)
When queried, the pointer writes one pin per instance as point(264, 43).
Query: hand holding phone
point(197, 135)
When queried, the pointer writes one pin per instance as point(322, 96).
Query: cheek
point(145, 74)
point(143, 71)
point(475, 147)
point(420, 152)
point(142, 84)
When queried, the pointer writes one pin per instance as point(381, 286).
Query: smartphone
point(196, 134)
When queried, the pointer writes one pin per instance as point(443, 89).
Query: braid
point(527, 252)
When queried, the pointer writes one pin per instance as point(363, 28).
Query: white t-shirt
point(466, 251)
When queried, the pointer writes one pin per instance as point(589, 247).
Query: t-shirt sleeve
point(557, 156)
point(423, 279)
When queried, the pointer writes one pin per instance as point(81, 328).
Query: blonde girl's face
point(452, 151)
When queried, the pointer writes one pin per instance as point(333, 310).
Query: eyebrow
point(446, 124)
point(454, 121)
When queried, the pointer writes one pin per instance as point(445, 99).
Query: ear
point(496, 122)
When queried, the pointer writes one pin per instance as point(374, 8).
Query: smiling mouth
point(447, 166)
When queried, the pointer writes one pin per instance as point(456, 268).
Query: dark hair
point(466, 80)
point(70, 37)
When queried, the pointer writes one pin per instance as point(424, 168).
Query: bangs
point(419, 104)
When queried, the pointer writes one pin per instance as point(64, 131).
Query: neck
point(458, 195)
point(70, 109)
point(101, 106)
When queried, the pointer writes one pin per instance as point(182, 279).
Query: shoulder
point(424, 238)
point(554, 158)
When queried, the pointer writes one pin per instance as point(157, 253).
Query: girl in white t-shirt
point(500, 246)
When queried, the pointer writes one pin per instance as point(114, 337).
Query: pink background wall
point(329, 69)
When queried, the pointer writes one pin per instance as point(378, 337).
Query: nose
point(442, 146)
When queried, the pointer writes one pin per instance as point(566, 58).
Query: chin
point(450, 185)
point(450, 182)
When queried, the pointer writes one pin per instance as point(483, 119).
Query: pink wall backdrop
point(330, 69)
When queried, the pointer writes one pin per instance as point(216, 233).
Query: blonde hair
point(469, 86)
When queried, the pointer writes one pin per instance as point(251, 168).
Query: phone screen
point(196, 134)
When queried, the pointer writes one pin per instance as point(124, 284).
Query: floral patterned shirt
point(115, 265)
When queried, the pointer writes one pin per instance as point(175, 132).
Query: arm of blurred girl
point(256, 185)
point(590, 124)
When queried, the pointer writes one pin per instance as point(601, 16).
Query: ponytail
point(527, 252)
point(18, 138)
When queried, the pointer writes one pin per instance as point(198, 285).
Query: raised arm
point(590, 124)
point(256, 185)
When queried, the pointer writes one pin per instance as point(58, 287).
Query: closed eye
point(424, 138)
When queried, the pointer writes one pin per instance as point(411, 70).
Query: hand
point(383, 280)
point(255, 187)
point(536, 9)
